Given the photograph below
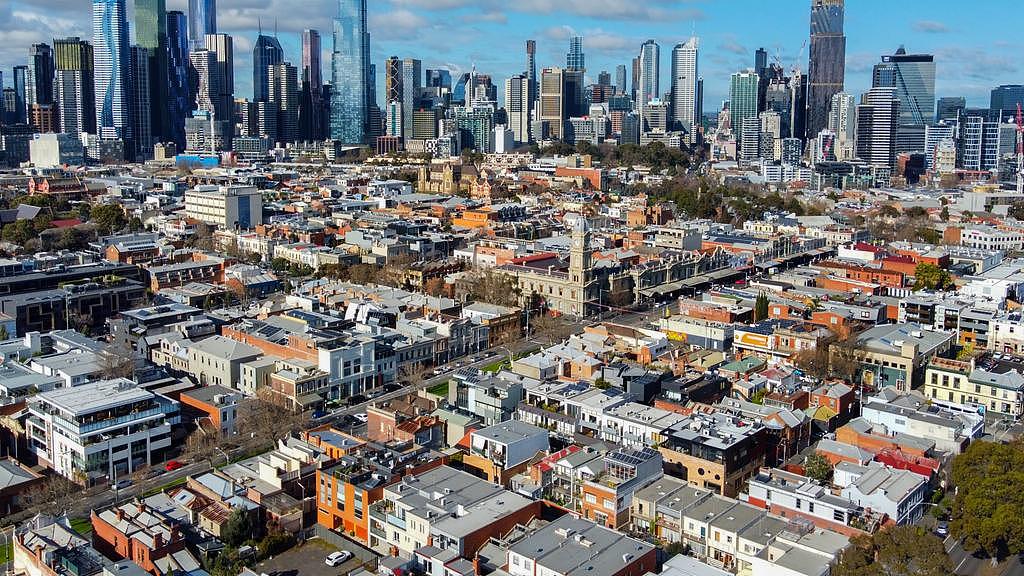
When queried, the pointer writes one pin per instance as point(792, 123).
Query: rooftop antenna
point(259, 26)
point(275, 27)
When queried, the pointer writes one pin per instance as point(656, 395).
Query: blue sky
point(974, 49)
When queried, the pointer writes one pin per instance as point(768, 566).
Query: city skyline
point(969, 63)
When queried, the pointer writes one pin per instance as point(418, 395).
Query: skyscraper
point(20, 114)
point(1005, 98)
point(206, 83)
point(620, 79)
point(179, 102)
point(392, 79)
point(878, 116)
point(574, 59)
point(574, 101)
point(412, 81)
point(842, 121)
point(913, 77)
point(949, 107)
point(73, 85)
point(202, 20)
point(531, 74)
point(517, 107)
point(311, 86)
point(350, 73)
point(283, 92)
point(222, 47)
point(760, 61)
point(112, 59)
point(827, 62)
point(552, 101)
point(151, 33)
point(604, 78)
point(266, 52)
point(38, 77)
point(139, 103)
point(684, 85)
point(743, 102)
point(648, 64)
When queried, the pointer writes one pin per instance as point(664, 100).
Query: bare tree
point(551, 329)
point(117, 360)
point(201, 445)
point(52, 496)
point(268, 417)
point(494, 287)
point(413, 375)
point(844, 358)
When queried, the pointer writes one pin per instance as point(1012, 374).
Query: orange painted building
point(344, 492)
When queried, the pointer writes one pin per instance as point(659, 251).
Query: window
point(591, 499)
point(810, 507)
point(799, 503)
point(609, 504)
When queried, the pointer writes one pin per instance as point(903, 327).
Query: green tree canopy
point(108, 218)
point(930, 277)
point(818, 467)
point(237, 529)
point(897, 551)
point(990, 503)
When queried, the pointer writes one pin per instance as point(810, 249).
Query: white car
point(336, 558)
point(362, 417)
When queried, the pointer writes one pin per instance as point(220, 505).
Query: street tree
point(494, 287)
point(989, 503)
point(906, 550)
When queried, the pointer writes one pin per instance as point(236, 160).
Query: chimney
point(39, 552)
point(120, 514)
point(158, 540)
point(430, 540)
point(476, 565)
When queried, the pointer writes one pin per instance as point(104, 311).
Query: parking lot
point(306, 560)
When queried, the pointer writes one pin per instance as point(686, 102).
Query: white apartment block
point(229, 207)
point(104, 429)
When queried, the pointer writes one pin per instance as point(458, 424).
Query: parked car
point(942, 528)
point(317, 414)
point(172, 465)
point(122, 484)
point(362, 417)
point(338, 558)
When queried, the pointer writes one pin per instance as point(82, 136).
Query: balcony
point(109, 422)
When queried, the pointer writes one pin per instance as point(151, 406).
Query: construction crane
point(1020, 151)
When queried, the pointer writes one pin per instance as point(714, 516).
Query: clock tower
point(579, 253)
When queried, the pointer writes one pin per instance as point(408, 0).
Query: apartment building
point(104, 429)
point(899, 494)
point(229, 207)
point(346, 490)
point(445, 508)
point(217, 360)
point(503, 450)
point(714, 451)
point(573, 546)
point(608, 496)
point(993, 383)
point(793, 496)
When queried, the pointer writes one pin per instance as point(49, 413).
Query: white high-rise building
point(517, 107)
point(650, 58)
point(204, 62)
point(842, 121)
point(684, 86)
point(878, 117)
point(111, 53)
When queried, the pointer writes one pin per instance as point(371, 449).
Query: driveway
point(306, 560)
